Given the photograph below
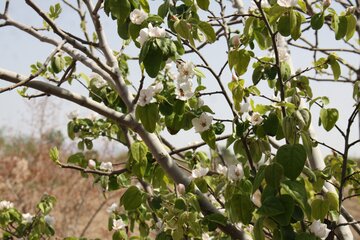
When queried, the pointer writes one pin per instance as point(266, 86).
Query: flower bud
point(180, 188)
point(91, 164)
point(326, 3)
point(235, 41)
point(350, 10)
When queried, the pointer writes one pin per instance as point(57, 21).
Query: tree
point(269, 182)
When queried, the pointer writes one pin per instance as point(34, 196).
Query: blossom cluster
point(146, 95)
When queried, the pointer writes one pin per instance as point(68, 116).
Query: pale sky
point(18, 51)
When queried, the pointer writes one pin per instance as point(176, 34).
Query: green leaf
point(335, 66)
point(209, 137)
point(288, 204)
point(123, 29)
point(242, 62)
point(258, 230)
point(342, 28)
point(271, 206)
point(303, 118)
point(138, 150)
point(131, 199)
point(351, 26)
point(333, 200)
point(273, 174)
point(145, 5)
point(284, 25)
point(271, 124)
point(182, 28)
point(317, 21)
point(164, 9)
point(241, 208)
point(329, 117)
point(217, 218)
point(203, 4)
point(57, 63)
point(208, 30)
point(319, 209)
point(54, 155)
point(149, 115)
point(289, 129)
point(296, 29)
point(298, 192)
point(257, 74)
point(292, 158)
point(123, 10)
point(153, 60)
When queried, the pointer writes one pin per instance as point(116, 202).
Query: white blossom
point(287, 3)
point(202, 123)
point(113, 207)
point(319, 229)
point(146, 96)
point(235, 172)
point(159, 226)
point(200, 102)
point(50, 220)
point(158, 87)
point(206, 236)
point(283, 54)
point(184, 90)
point(150, 32)
point(94, 116)
point(138, 16)
point(221, 169)
point(118, 224)
point(245, 107)
point(97, 81)
point(264, 4)
point(27, 217)
point(6, 205)
point(143, 36)
point(106, 166)
point(156, 32)
point(256, 119)
point(91, 164)
point(73, 114)
point(199, 172)
point(186, 71)
point(181, 188)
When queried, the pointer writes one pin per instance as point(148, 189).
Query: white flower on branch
point(199, 172)
point(4, 205)
point(146, 96)
point(157, 88)
point(235, 172)
point(112, 208)
point(106, 166)
point(97, 81)
point(186, 71)
point(50, 220)
point(73, 114)
point(184, 90)
point(205, 236)
point(202, 123)
point(91, 164)
point(150, 32)
point(138, 16)
point(256, 119)
point(94, 116)
point(287, 3)
point(118, 224)
point(181, 188)
point(245, 107)
point(220, 169)
point(27, 218)
point(319, 229)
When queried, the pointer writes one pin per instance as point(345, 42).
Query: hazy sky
point(18, 51)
